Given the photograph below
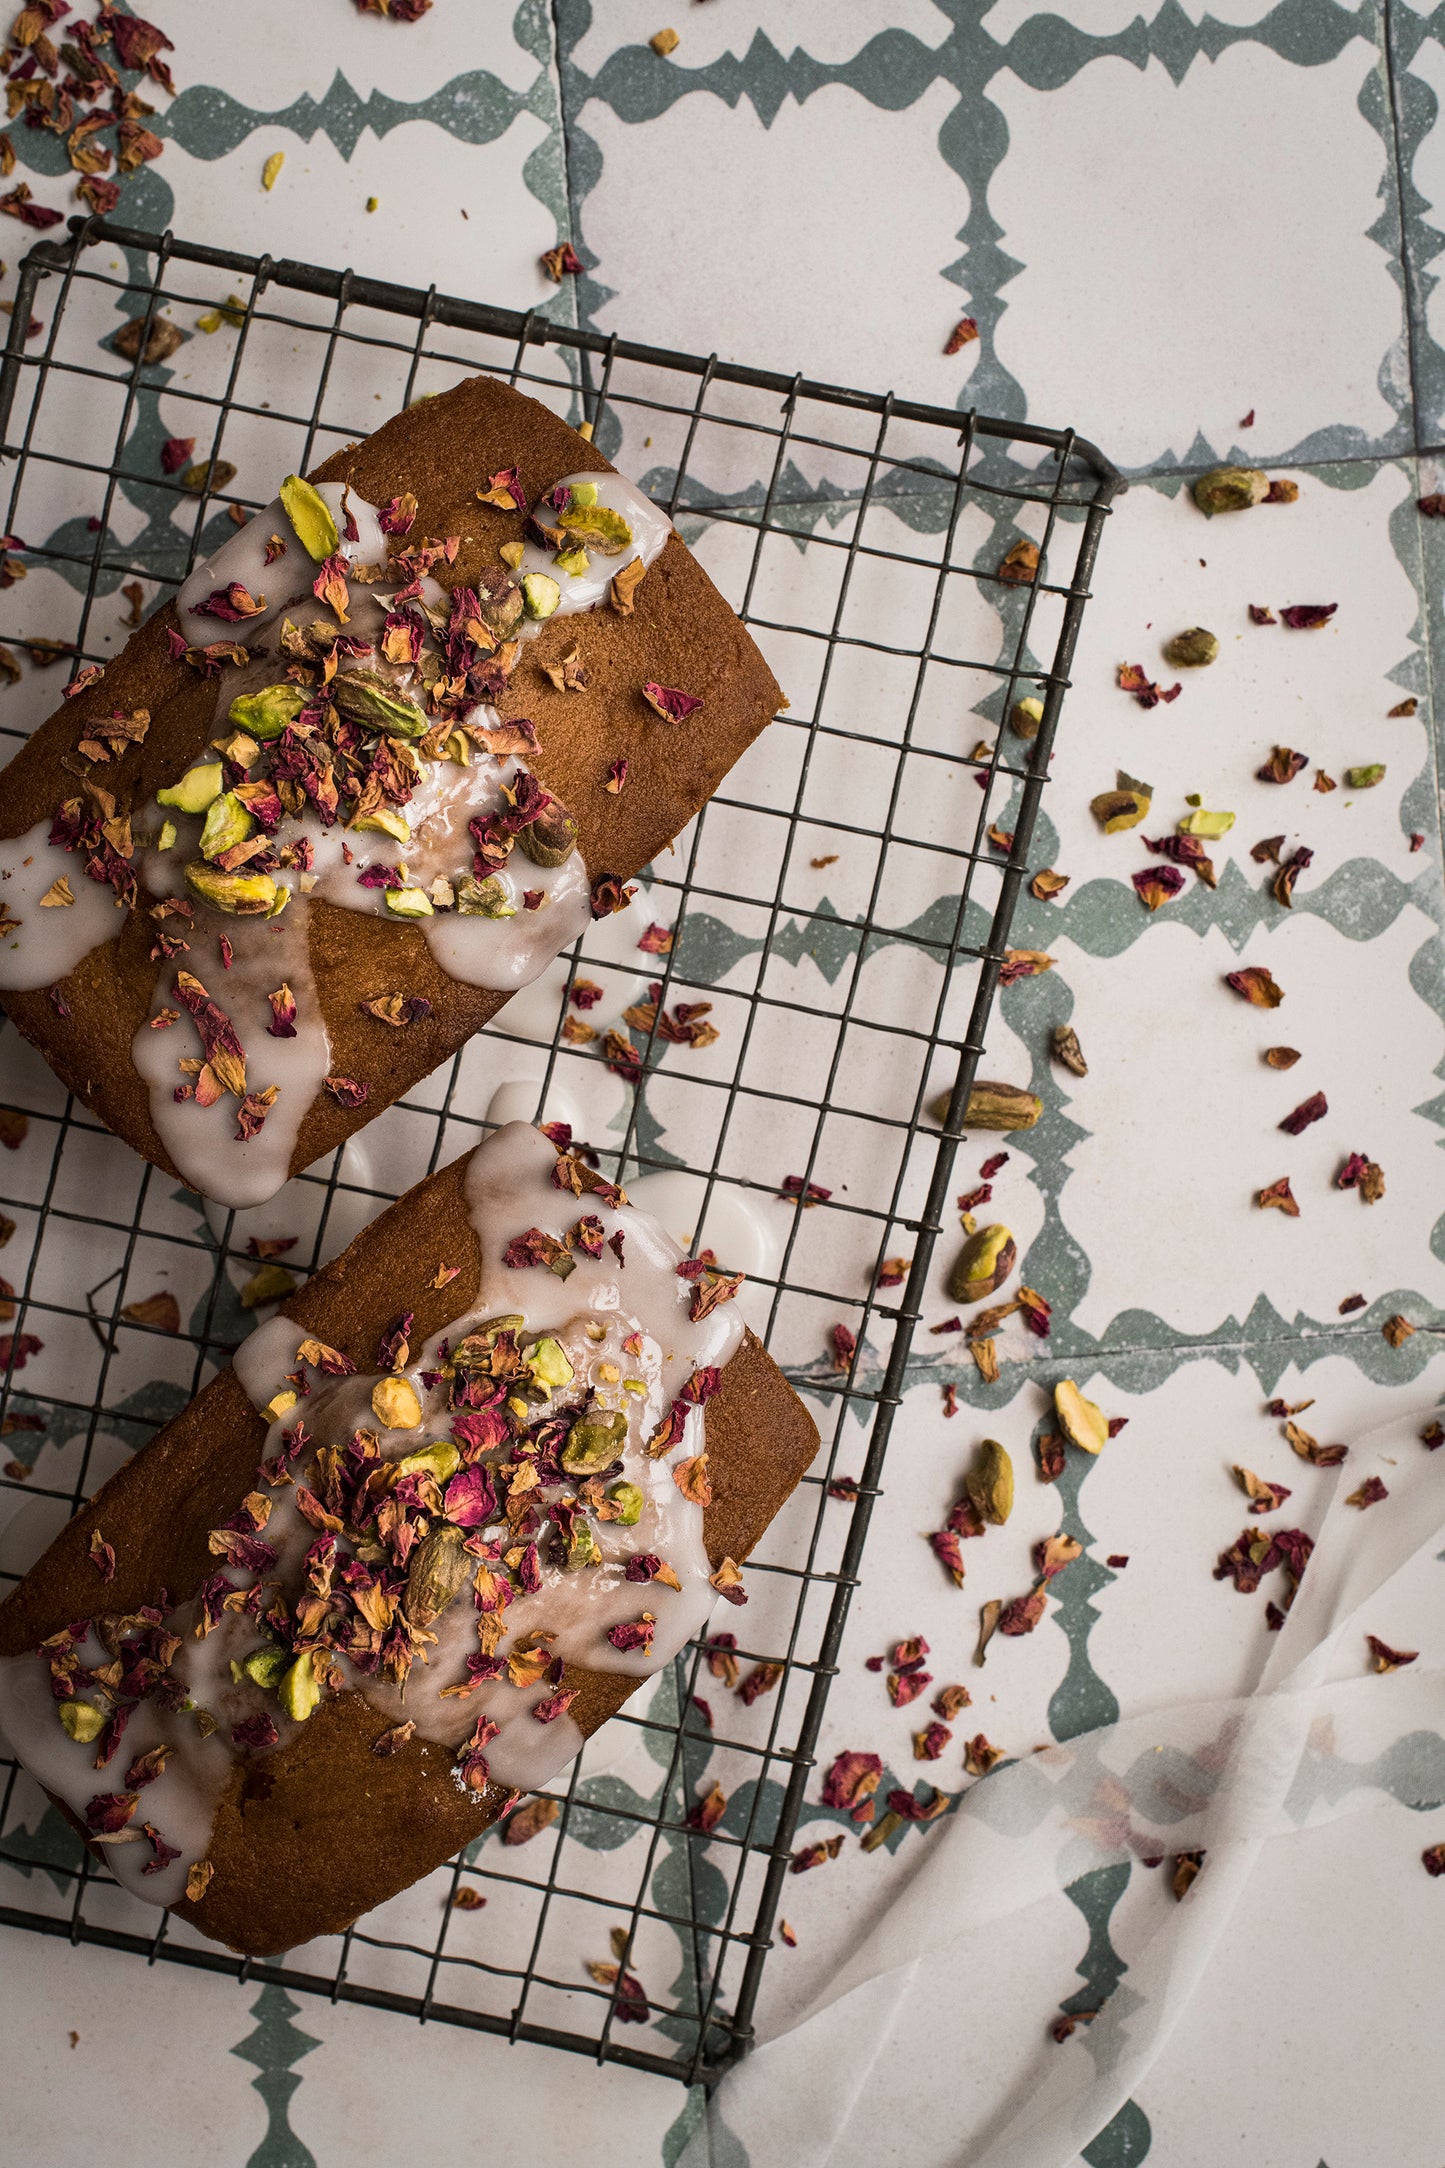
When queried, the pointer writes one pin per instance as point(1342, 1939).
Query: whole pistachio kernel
point(228, 822)
point(1191, 650)
point(195, 790)
point(267, 713)
point(593, 1443)
point(1230, 489)
point(311, 516)
point(396, 1404)
point(440, 1461)
point(299, 1690)
point(1024, 718)
point(408, 902)
point(1082, 1423)
point(484, 899)
point(628, 1500)
point(439, 1566)
point(363, 697)
point(990, 1483)
point(83, 1720)
point(551, 839)
point(549, 1364)
point(540, 595)
point(239, 895)
point(984, 1263)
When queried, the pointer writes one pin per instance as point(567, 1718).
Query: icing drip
point(497, 920)
point(40, 943)
point(630, 1345)
point(286, 581)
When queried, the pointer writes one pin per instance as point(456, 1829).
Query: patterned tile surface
point(1198, 235)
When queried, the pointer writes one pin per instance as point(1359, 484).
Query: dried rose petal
point(964, 332)
point(1155, 885)
point(1313, 1109)
point(1283, 765)
point(1307, 616)
point(1364, 1175)
point(673, 706)
point(1256, 985)
point(854, 1777)
point(1385, 1658)
point(1370, 1493)
point(1280, 1196)
point(814, 1855)
point(979, 1756)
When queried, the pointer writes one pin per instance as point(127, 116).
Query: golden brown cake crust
point(313, 1834)
point(681, 633)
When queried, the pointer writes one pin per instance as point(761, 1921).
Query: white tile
point(1211, 230)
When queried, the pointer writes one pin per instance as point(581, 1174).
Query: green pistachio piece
point(386, 821)
point(990, 1483)
point(483, 899)
point(573, 560)
point(594, 1442)
point(266, 714)
point(1202, 823)
point(1191, 650)
point(1124, 806)
point(550, 840)
point(441, 1460)
point(1082, 1423)
point(1024, 718)
point(1365, 778)
point(265, 1665)
point(298, 1689)
point(584, 492)
point(582, 1550)
point(628, 1500)
point(195, 790)
point(408, 902)
point(311, 516)
point(167, 836)
point(283, 897)
point(984, 1263)
point(228, 823)
point(82, 1720)
point(540, 595)
point(596, 525)
point(363, 698)
point(239, 895)
point(1230, 489)
point(548, 1363)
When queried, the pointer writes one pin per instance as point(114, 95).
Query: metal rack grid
point(741, 452)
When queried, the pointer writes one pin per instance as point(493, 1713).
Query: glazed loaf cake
point(370, 772)
point(509, 1449)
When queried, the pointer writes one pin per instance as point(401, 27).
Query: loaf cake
point(379, 762)
point(481, 1476)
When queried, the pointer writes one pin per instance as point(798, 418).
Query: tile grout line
point(1407, 271)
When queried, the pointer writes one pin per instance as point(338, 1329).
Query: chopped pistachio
point(1201, 823)
point(547, 1360)
point(195, 790)
point(82, 1720)
point(482, 899)
point(1365, 778)
point(278, 1405)
point(1083, 1424)
point(299, 1689)
point(1025, 717)
point(270, 172)
point(266, 714)
point(1230, 489)
point(1123, 807)
point(512, 553)
point(628, 1500)
point(311, 516)
point(550, 840)
point(993, 1106)
point(166, 839)
point(440, 1460)
point(264, 1666)
point(387, 820)
point(363, 697)
point(540, 595)
point(574, 561)
point(593, 1443)
point(396, 1404)
point(228, 822)
point(239, 895)
point(408, 902)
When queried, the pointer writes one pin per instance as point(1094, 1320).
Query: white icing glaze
point(509, 1189)
point(39, 946)
point(585, 590)
point(282, 584)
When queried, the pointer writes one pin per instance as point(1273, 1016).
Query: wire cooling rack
point(866, 540)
